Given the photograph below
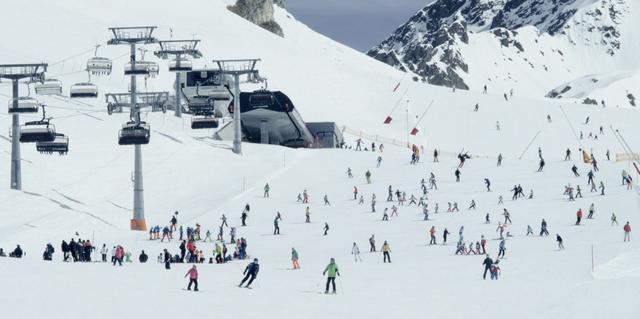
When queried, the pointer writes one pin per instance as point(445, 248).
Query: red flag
point(397, 86)
point(414, 131)
point(388, 120)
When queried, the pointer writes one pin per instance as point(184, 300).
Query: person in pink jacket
point(193, 278)
point(119, 255)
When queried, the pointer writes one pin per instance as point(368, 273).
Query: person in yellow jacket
point(385, 252)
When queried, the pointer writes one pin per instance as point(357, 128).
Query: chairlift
point(180, 66)
point(37, 131)
point(204, 122)
point(132, 134)
point(59, 145)
point(83, 89)
point(49, 87)
point(99, 65)
point(148, 68)
point(26, 104)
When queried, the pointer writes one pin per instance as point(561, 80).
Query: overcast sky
point(360, 24)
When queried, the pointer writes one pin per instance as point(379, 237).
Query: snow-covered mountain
point(528, 45)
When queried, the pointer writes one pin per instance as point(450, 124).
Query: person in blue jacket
point(250, 272)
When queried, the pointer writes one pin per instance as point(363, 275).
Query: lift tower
point(133, 36)
point(16, 72)
point(178, 49)
point(236, 69)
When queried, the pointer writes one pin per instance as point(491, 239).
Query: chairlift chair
point(37, 131)
point(25, 105)
point(204, 122)
point(49, 87)
point(183, 66)
point(59, 145)
point(99, 66)
point(132, 134)
point(83, 90)
point(142, 68)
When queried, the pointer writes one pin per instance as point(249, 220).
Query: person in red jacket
point(193, 278)
point(578, 216)
point(627, 232)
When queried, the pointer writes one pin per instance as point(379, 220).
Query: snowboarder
point(193, 278)
point(331, 271)
point(251, 271)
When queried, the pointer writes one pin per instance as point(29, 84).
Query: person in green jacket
point(331, 271)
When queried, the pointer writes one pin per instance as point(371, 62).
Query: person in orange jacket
point(627, 232)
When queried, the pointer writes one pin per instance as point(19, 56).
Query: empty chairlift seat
point(37, 131)
point(205, 122)
point(49, 87)
point(25, 105)
point(99, 66)
point(142, 68)
point(183, 66)
point(85, 89)
point(59, 145)
point(132, 134)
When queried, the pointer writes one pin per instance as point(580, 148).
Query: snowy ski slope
point(90, 190)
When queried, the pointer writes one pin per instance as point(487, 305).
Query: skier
point(445, 233)
point(193, 278)
point(367, 175)
point(483, 244)
point(499, 159)
point(294, 258)
point(266, 190)
point(500, 200)
point(502, 249)
point(472, 205)
point(251, 271)
point(487, 220)
point(495, 270)
point(529, 230)
point(167, 259)
point(372, 244)
point(355, 192)
point(174, 221)
point(601, 188)
point(435, 155)
point(385, 216)
point(627, 232)
point(614, 219)
point(457, 173)
point(487, 262)
point(305, 197)
point(559, 240)
point(379, 160)
point(331, 271)
point(574, 169)
point(326, 200)
point(355, 251)
point(326, 229)
point(592, 210)
point(541, 165)
point(578, 191)
point(385, 252)
point(373, 203)
point(507, 216)
point(307, 215)
point(276, 224)
point(488, 184)
point(243, 217)
point(349, 174)
point(432, 233)
point(103, 251)
point(578, 216)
